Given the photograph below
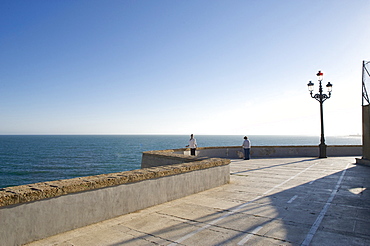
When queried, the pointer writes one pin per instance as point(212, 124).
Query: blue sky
point(180, 67)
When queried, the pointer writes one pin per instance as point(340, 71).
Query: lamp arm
point(322, 97)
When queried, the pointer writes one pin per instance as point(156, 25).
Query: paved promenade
point(287, 201)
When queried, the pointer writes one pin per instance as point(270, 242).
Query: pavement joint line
point(232, 211)
point(319, 218)
point(354, 226)
point(246, 238)
point(347, 233)
point(292, 199)
point(145, 234)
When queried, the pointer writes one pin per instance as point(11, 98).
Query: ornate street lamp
point(320, 97)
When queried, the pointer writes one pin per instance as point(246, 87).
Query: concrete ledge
point(157, 158)
point(363, 161)
point(36, 211)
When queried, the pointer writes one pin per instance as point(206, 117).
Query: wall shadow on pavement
point(283, 217)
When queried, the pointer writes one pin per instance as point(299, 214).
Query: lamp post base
point(322, 148)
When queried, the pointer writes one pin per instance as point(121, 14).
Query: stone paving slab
point(285, 201)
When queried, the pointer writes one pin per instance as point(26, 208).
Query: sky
point(235, 67)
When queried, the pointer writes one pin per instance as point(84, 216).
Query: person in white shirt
point(247, 148)
point(192, 144)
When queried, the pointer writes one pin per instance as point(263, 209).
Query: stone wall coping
point(171, 152)
point(268, 146)
point(32, 192)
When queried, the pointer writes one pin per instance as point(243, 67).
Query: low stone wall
point(165, 157)
point(36, 211)
point(305, 151)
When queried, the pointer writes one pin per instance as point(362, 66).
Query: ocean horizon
point(27, 159)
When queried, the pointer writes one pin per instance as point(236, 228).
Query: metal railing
point(365, 82)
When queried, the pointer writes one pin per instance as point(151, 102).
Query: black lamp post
point(320, 97)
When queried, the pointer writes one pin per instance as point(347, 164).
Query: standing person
point(192, 144)
point(247, 148)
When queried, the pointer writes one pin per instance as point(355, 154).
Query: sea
point(28, 159)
